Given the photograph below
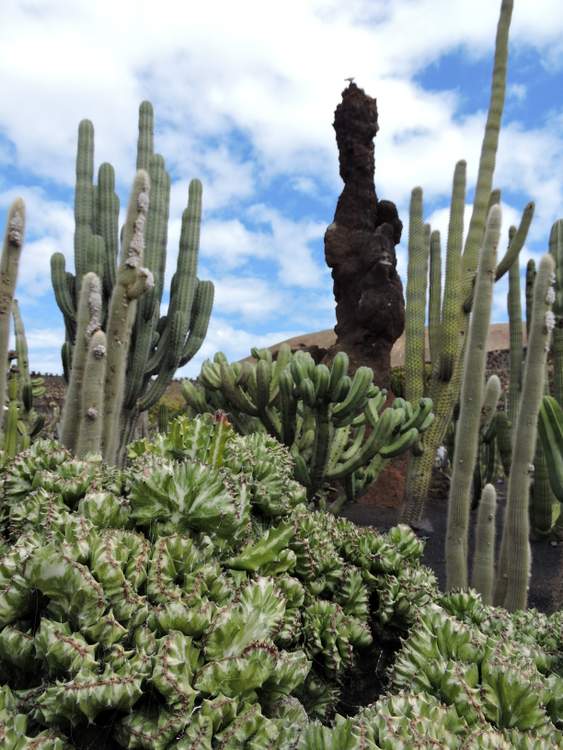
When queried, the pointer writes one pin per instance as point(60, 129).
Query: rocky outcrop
point(360, 245)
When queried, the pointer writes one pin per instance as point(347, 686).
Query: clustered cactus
point(143, 349)
point(192, 600)
point(335, 426)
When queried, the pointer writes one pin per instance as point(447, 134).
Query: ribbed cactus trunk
point(516, 340)
point(467, 433)
point(483, 572)
point(88, 320)
point(131, 282)
point(556, 250)
point(515, 557)
point(9, 264)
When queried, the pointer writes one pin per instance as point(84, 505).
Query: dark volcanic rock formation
point(360, 245)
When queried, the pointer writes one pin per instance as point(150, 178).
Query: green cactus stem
point(132, 281)
point(514, 562)
point(417, 275)
point(9, 263)
point(550, 428)
point(556, 250)
point(435, 296)
point(483, 571)
point(88, 321)
point(516, 339)
point(92, 397)
point(468, 425)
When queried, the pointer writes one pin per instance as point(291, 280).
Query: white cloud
point(235, 343)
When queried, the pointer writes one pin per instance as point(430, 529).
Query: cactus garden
point(214, 562)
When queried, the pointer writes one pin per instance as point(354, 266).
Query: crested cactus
point(156, 345)
point(11, 251)
point(514, 562)
point(468, 424)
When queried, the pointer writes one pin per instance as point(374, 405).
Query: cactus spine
point(9, 263)
point(483, 572)
point(470, 414)
point(514, 562)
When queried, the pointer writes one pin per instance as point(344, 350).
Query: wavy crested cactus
point(472, 391)
point(335, 426)
point(139, 366)
point(194, 575)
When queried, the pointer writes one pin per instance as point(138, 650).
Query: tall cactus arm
point(107, 224)
point(132, 280)
point(470, 412)
point(84, 198)
point(514, 562)
point(488, 150)
point(9, 264)
point(483, 573)
point(92, 397)
point(530, 281)
point(514, 305)
point(416, 301)
point(149, 304)
point(145, 142)
point(556, 250)
point(89, 321)
point(21, 349)
point(64, 293)
point(550, 428)
point(516, 242)
point(435, 295)
point(449, 336)
point(201, 314)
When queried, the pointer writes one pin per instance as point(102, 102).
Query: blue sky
point(244, 95)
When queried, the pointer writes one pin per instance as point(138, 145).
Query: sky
point(244, 96)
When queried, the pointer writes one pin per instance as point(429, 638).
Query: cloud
point(235, 343)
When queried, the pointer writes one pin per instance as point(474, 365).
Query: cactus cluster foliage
point(192, 600)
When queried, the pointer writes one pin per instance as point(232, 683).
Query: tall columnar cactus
point(435, 296)
point(158, 345)
point(556, 250)
point(88, 321)
point(418, 251)
point(483, 571)
point(516, 340)
point(468, 425)
point(9, 263)
point(446, 377)
point(132, 280)
point(514, 561)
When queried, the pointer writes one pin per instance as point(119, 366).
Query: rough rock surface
point(360, 245)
